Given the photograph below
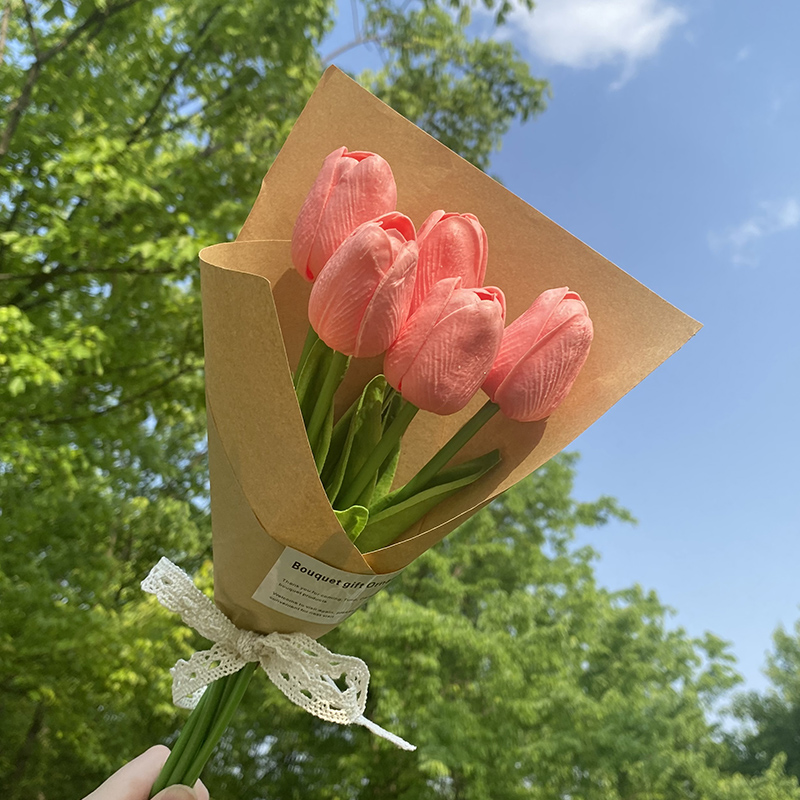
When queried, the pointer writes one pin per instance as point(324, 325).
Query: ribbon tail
point(373, 727)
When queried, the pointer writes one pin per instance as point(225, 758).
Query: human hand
point(135, 780)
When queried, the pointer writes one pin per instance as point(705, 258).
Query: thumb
point(177, 792)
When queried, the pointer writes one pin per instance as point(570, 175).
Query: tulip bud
point(351, 188)
point(446, 348)
point(541, 355)
point(450, 246)
point(361, 299)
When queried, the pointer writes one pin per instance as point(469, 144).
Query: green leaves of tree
point(133, 133)
point(464, 91)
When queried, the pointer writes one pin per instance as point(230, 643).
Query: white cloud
point(591, 33)
point(740, 241)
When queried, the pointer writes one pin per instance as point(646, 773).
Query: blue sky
point(670, 146)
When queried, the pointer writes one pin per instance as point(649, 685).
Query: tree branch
point(32, 30)
point(182, 122)
point(26, 750)
point(16, 109)
point(69, 420)
point(97, 19)
point(4, 29)
point(68, 273)
point(357, 42)
point(173, 76)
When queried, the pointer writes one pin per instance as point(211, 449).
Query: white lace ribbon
point(304, 670)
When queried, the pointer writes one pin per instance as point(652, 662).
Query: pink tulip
point(361, 299)
point(450, 245)
point(541, 355)
point(351, 188)
point(447, 347)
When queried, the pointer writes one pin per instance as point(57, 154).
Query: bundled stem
point(203, 730)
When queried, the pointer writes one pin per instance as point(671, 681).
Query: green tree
point(771, 719)
point(516, 675)
point(133, 133)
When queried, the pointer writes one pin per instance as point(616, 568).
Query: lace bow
point(299, 666)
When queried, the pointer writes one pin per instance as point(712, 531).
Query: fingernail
point(176, 792)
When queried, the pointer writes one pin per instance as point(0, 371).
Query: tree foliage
point(512, 670)
point(772, 718)
point(132, 133)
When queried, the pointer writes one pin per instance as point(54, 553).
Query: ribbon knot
point(303, 669)
point(248, 645)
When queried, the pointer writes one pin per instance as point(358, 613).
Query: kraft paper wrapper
point(265, 492)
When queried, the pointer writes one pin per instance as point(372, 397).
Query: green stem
point(390, 438)
point(420, 481)
point(227, 707)
point(177, 750)
point(190, 738)
point(311, 340)
point(391, 392)
point(336, 371)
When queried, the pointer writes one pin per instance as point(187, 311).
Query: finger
point(176, 792)
point(201, 791)
point(135, 779)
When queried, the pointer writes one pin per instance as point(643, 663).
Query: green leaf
point(320, 424)
point(388, 522)
point(311, 339)
point(16, 386)
point(55, 11)
point(364, 431)
point(321, 445)
point(392, 403)
point(353, 520)
point(337, 451)
point(386, 475)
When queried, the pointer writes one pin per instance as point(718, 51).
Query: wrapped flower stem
point(203, 729)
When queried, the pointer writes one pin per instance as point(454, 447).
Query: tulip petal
point(366, 191)
point(453, 246)
point(429, 223)
point(541, 380)
point(344, 288)
point(307, 223)
point(484, 259)
point(394, 220)
point(521, 335)
point(360, 155)
point(402, 353)
point(455, 358)
point(388, 308)
point(571, 305)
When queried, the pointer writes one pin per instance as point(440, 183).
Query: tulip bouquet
point(417, 296)
point(367, 400)
point(380, 287)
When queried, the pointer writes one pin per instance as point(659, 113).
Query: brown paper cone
point(265, 492)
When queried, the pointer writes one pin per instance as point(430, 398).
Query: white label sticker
point(302, 587)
